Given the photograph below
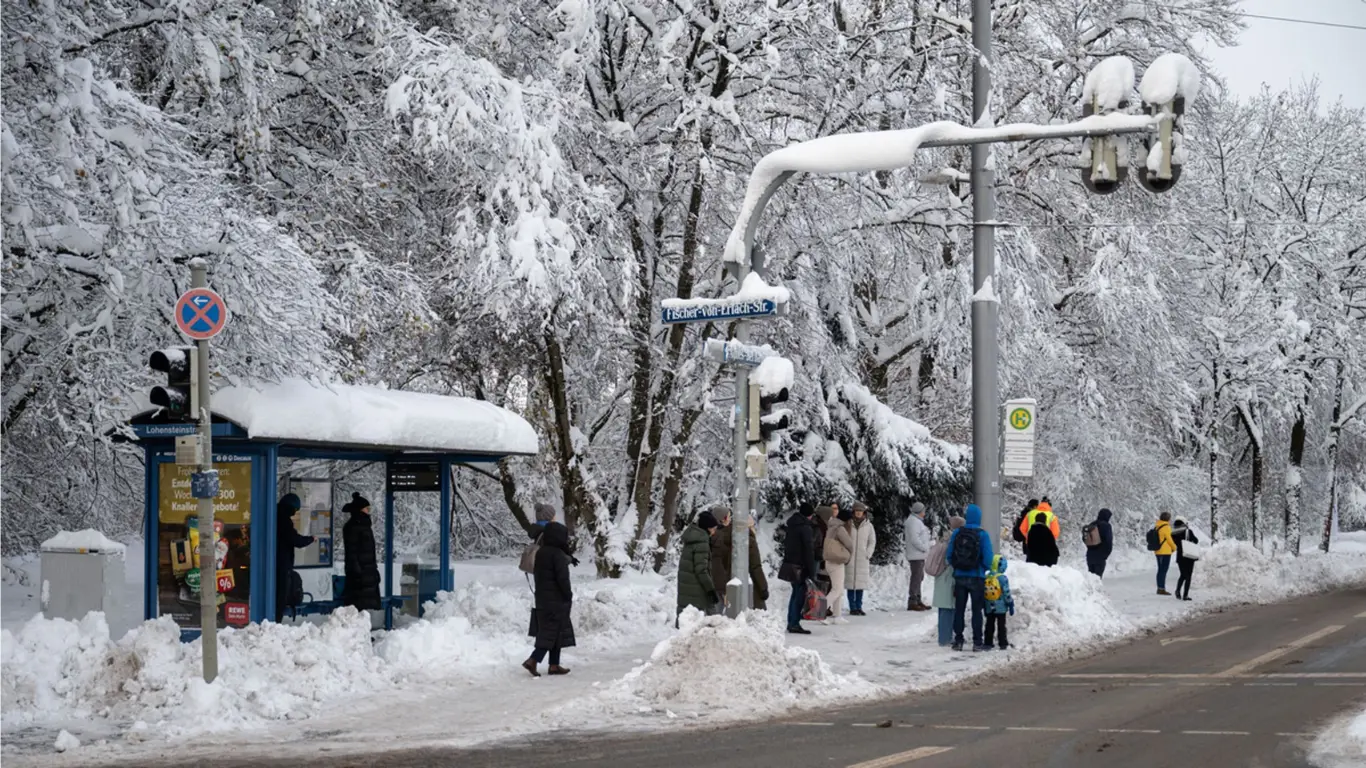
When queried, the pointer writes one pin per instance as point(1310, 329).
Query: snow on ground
point(327, 685)
point(1342, 744)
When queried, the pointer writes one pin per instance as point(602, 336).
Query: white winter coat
point(917, 539)
point(858, 573)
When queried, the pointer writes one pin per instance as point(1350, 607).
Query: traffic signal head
point(179, 397)
point(1161, 166)
point(764, 419)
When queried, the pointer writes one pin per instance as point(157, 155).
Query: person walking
point(999, 603)
point(839, 548)
point(1041, 544)
point(1187, 552)
point(1161, 544)
point(287, 539)
point(722, 549)
point(1021, 526)
point(361, 588)
point(1099, 538)
point(858, 574)
point(550, 619)
point(936, 563)
point(969, 555)
point(695, 585)
point(799, 563)
point(916, 547)
point(1051, 520)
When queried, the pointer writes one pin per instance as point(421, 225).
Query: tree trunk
point(1254, 435)
point(673, 487)
point(1214, 462)
point(1294, 478)
point(1334, 436)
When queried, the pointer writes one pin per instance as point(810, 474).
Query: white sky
point(1281, 53)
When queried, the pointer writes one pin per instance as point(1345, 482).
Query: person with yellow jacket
point(1031, 518)
point(1166, 547)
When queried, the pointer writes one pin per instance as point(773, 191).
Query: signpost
point(736, 352)
point(684, 311)
point(201, 314)
point(1018, 458)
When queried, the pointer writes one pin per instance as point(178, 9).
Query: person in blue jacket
point(969, 555)
point(1097, 555)
point(998, 603)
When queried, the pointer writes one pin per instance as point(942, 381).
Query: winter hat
point(806, 509)
point(1033, 504)
point(846, 515)
point(358, 502)
point(291, 502)
point(918, 509)
point(544, 513)
point(957, 521)
point(719, 511)
point(1104, 515)
point(1041, 519)
point(1044, 506)
point(707, 521)
point(860, 507)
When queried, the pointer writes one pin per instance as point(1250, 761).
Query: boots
point(556, 669)
point(530, 666)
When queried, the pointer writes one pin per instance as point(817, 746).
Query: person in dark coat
point(544, 514)
point(287, 539)
point(1097, 555)
point(1183, 535)
point(361, 590)
point(1041, 547)
point(550, 619)
point(722, 551)
point(695, 585)
point(1019, 521)
point(799, 563)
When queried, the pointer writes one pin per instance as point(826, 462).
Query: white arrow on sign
point(1220, 633)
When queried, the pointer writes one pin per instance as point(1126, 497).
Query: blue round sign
point(200, 314)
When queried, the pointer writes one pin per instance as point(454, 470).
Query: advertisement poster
point(179, 570)
point(314, 518)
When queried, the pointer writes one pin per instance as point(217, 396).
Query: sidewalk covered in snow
point(418, 436)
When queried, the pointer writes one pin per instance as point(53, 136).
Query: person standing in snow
point(999, 603)
point(937, 564)
point(1021, 527)
point(839, 547)
point(361, 589)
point(1040, 543)
point(550, 619)
point(1182, 534)
point(287, 539)
point(969, 555)
point(1162, 533)
point(695, 586)
point(1097, 555)
point(916, 547)
point(799, 563)
point(544, 514)
point(858, 574)
point(826, 517)
point(722, 550)
point(1051, 520)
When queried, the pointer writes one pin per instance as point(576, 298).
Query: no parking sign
point(201, 314)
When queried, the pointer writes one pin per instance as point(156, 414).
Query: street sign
point(736, 352)
point(423, 476)
point(205, 484)
point(685, 311)
point(1018, 458)
point(200, 314)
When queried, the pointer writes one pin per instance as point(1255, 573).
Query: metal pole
point(986, 472)
point(737, 600)
point(208, 584)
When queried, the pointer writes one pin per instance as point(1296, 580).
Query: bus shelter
point(419, 437)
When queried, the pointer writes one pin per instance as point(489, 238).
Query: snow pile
point(752, 289)
point(717, 666)
point(1109, 83)
point(1255, 576)
point(88, 540)
point(266, 672)
point(773, 375)
point(1342, 744)
point(1169, 76)
point(1062, 603)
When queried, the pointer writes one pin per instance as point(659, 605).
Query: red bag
point(816, 606)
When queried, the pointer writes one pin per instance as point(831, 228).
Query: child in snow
point(999, 602)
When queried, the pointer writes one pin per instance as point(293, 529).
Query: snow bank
point(1342, 744)
point(1257, 577)
point(88, 540)
point(725, 668)
point(1109, 83)
point(1169, 76)
point(1062, 604)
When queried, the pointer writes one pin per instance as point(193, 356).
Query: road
point(1244, 687)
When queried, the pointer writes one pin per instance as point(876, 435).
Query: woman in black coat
point(1040, 545)
point(361, 590)
point(550, 623)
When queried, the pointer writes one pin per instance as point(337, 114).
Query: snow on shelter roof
point(299, 411)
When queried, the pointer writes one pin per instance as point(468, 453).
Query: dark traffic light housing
point(178, 397)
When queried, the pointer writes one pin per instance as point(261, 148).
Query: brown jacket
point(721, 553)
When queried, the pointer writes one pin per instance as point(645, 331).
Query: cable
point(1285, 19)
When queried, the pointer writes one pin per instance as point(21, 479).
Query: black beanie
point(707, 521)
point(358, 502)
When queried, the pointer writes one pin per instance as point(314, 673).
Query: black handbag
point(790, 572)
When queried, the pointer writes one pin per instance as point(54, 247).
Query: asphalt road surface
point(1244, 687)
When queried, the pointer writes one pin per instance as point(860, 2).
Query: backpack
point(528, 562)
point(967, 550)
point(935, 564)
point(1091, 535)
point(993, 591)
point(1154, 540)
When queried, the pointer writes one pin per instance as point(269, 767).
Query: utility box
point(81, 572)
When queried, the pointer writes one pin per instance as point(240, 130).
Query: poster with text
point(179, 569)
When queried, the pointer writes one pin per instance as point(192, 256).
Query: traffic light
point(1104, 159)
point(1164, 156)
point(764, 419)
point(180, 396)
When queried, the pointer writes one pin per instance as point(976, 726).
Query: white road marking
point(864, 725)
point(1050, 730)
point(1126, 730)
point(822, 725)
point(1361, 615)
point(1313, 675)
point(1294, 734)
point(1203, 683)
point(962, 727)
point(1271, 685)
point(1339, 684)
point(1169, 640)
point(1251, 664)
point(901, 758)
point(1264, 676)
point(1217, 733)
point(1135, 676)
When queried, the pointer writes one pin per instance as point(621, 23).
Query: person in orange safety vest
point(1044, 508)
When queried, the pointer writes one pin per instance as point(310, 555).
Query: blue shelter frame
point(231, 442)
